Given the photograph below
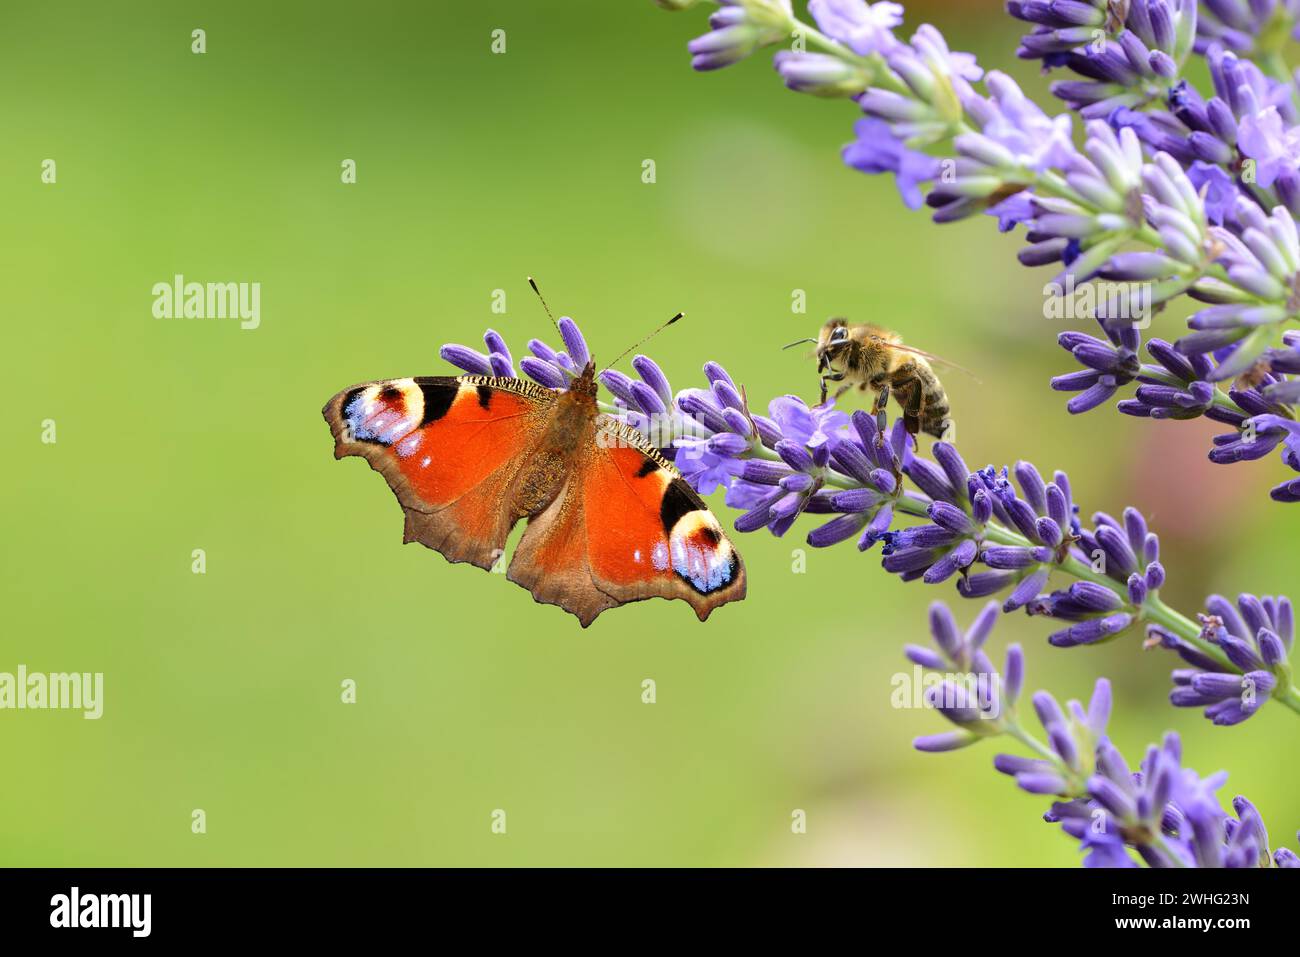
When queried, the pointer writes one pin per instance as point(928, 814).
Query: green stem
point(1289, 696)
point(1015, 730)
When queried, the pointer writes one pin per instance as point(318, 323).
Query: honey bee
point(1255, 376)
point(874, 359)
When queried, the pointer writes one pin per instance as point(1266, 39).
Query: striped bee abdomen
point(921, 396)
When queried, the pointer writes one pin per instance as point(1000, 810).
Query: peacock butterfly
point(610, 520)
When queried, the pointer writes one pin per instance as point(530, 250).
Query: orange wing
point(450, 448)
point(626, 527)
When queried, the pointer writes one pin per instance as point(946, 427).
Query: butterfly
point(610, 520)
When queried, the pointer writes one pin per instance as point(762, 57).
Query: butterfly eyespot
point(700, 555)
point(383, 413)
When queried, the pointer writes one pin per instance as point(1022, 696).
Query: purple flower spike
point(1255, 635)
point(574, 343)
point(654, 377)
point(877, 150)
point(463, 357)
point(864, 28)
point(947, 741)
point(1171, 192)
point(543, 373)
point(737, 31)
point(1164, 814)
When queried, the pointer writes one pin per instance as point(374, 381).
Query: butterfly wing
point(626, 527)
point(450, 448)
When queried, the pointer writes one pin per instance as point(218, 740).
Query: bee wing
point(931, 355)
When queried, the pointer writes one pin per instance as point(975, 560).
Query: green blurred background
point(474, 170)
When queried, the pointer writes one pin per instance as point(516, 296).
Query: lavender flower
point(820, 74)
point(738, 29)
point(1173, 193)
point(978, 706)
point(1107, 365)
point(864, 28)
point(1127, 54)
point(1208, 184)
point(1086, 231)
point(1244, 26)
point(878, 150)
point(546, 366)
point(1256, 638)
point(1259, 258)
point(1125, 552)
point(1178, 387)
point(1164, 813)
point(1266, 138)
point(991, 531)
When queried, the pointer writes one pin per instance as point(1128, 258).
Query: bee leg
point(831, 377)
point(877, 410)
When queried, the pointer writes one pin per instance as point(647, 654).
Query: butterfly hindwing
point(627, 527)
point(450, 448)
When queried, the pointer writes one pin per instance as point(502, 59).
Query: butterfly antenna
point(542, 299)
point(644, 341)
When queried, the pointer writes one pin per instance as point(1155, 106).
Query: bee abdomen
point(936, 420)
point(935, 413)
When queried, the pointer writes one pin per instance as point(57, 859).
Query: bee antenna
point(644, 341)
point(798, 342)
point(542, 299)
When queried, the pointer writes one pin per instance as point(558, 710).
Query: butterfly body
point(609, 519)
point(571, 429)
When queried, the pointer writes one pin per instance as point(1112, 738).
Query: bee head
point(832, 342)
